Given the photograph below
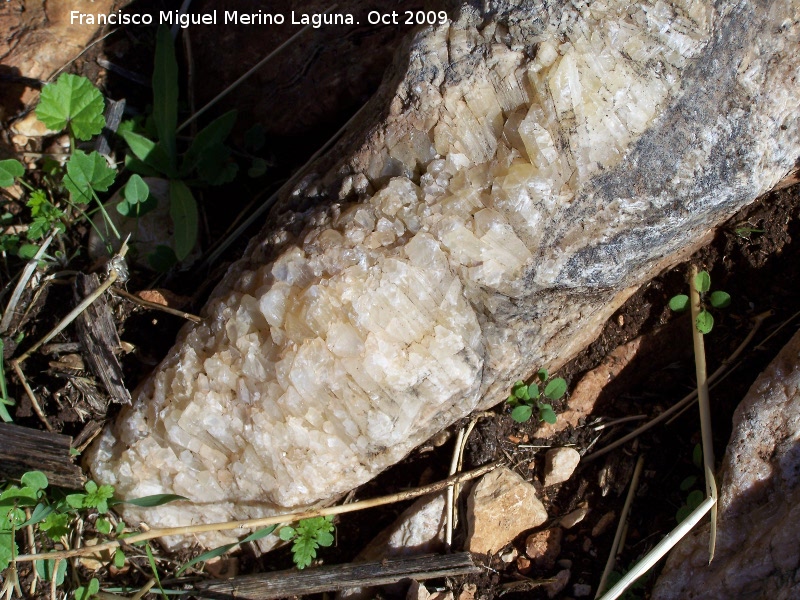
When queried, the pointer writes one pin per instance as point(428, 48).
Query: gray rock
point(523, 170)
point(758, 536)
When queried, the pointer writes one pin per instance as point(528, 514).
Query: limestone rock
point(543, 547)
point(521, 172)
point(558, 584)
point(758, 537)
point(560, 464)
point(500, 507)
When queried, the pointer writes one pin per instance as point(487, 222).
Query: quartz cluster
point(534, 165)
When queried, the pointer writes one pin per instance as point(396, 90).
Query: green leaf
point(704, 322)
point(103, 525)
point(256, 535)
point(206, 140)
point(555, 388)
point(257, 168)
point(150, 154)
point(522, 413)
point(72, 101)
point(702, 282)
point(10, 169)
point(695, 499)
point(44, 568)
point(149, 501)
point(547, 414)
point(533, 391)
point(98, 496)
point(136, 190)
point(8, 549)
point(27, 251)
point(165, 92)
point(39, 514)
point(76, 500)
point(34, 479)
point(55, 525)
point(86, 172)
point(697, 456)
point(679, 303)
point(162, 259)
point(542, 375)
point(151, 559)
point(683, 512)
point(720, 299)
point(287, 533)
point(183, 210)
point(86, 592)
point(687, 483)
point(119, 558)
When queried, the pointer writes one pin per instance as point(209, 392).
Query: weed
point(694, 497)
point(206, 160)
point(308, 536)
point(524, 398)
point(53, 514)
point(717, 299)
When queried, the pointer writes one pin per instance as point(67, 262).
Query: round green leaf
point(72, 100)
point(687, 483)
point(136, 190)
point(705, 322)
point(34, 479)
point(547, 414)
point(720, 299)
point(119, 559)
point(555, 388)
point(702, 281)
point(10, 169)
point(695, 499)
point(679, 303)
point(522, 413)
point(533, 391)
point(542, 374)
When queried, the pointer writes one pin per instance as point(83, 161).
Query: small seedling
point(694, 497)
point(308, 536)
point(717, 299)
point(746, 231)
point(525, 397)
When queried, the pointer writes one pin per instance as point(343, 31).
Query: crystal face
point(513, 198)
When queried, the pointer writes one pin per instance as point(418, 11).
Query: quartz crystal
point(531, 167)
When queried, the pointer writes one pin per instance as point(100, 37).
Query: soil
point(755, 257)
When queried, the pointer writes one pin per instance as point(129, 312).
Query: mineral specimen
point(532, 167)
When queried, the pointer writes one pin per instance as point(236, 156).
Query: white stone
point(560, 464)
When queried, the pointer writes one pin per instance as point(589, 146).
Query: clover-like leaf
point(72, 101)
point(702, 281)
point(10, 169)
point(34, 479)
point(679, 303)
point(522, 413)
point(547, 414)
point(704, 322)
point(87, 172)
point(555, 388)
point(720, 299)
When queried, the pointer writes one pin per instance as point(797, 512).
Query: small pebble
point(581, 590)
point(576, 516)
point(603, 523)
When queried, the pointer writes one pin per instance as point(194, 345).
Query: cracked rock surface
point(520, 173)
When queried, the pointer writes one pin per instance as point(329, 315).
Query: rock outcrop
point(758, 528)
point(531, 167)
